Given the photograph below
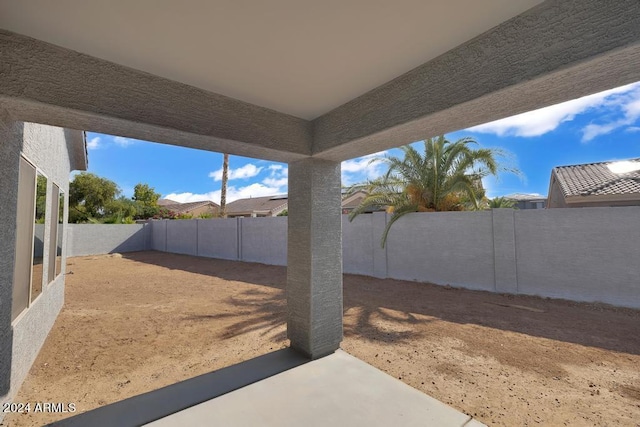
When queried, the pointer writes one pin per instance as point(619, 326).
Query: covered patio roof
point(286, 79)
point(308, 83)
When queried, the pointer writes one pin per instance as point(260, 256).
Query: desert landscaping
point(136, 322)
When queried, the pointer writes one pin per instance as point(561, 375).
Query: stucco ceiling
point(301, 57)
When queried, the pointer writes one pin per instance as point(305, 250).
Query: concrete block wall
point(182, 237)
point(454, 248)
point(217, 238)
point(95, 239)
point(586, 254)
point(582, 254)
point(262, 240)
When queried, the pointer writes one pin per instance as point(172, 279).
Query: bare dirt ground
point(135, 323)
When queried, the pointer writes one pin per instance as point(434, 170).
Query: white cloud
point(633, 129)
point(122, 142)
point(247, 171)
point(276, 182)
point(591, 131)
point(624, 166)
point(97, 143)
point(544, 120)
point(362, 168)
point(93, 143)
point(253, 190)
point(628, 104)
point(193, 197)
point(278, 178)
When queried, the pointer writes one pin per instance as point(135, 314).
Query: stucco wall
point(48, 149)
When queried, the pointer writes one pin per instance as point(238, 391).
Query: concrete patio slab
point(335, 390)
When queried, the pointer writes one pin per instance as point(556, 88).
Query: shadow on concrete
point(151, 406)
point(404, 306)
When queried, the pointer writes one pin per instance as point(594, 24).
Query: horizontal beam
point(557, 51)
point(44, 83)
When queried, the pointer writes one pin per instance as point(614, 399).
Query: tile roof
point(257, 204)
point(186, 207)
point(597, 179)
point(165, 202)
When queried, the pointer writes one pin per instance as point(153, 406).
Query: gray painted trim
point(552, 53)
point(44, 83)
point(78, 153)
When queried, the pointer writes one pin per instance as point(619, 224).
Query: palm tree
point(223, 189)
point(501, 202)
point(445, 177)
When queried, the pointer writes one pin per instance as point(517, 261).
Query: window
point(37, 273)
point(30, 244)
point(59, 234)
point(53, 227)
point(24, 237)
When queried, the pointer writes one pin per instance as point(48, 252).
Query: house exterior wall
point(557, 200)
point(203, 210)
point(48, 148)
point(530, 204)
point(556, 197)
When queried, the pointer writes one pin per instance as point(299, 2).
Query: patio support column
point(314, 257)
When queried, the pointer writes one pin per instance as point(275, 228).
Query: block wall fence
point(586, 254)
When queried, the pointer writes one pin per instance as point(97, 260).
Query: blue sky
point(599, 127)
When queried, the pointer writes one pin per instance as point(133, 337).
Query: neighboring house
point(165, 202)
point(527, 200)
point(273, 205)
point(615, 183)
point(257, 206)
point(35, 162)
point(350, 202)
point(206, 207)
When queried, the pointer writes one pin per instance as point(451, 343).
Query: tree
point(501, 202)
point(445, 177)
point(89, 196)
point(223, 189)
point(121, 210)
point(146, 195)
point(41, 198)
point(146, 201)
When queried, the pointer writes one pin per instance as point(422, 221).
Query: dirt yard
point(145, 320)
